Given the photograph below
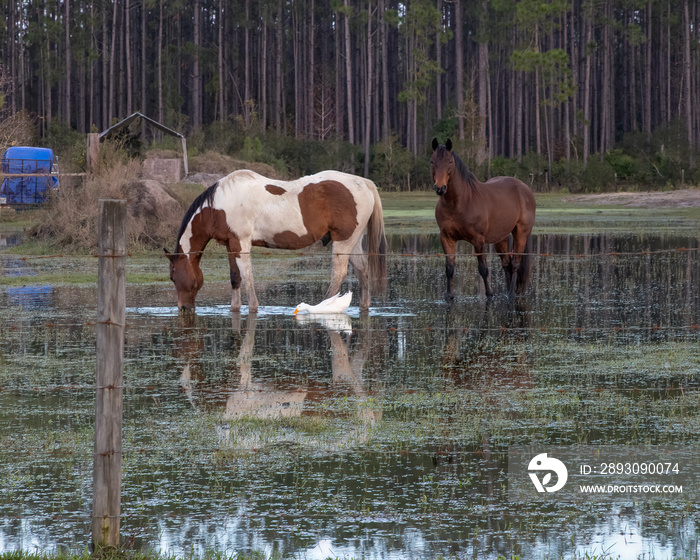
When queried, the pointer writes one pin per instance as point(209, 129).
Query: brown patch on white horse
point(329, 206)
point(246, 209)
point(274, 189)
point(327, 209)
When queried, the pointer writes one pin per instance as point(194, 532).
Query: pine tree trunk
point(127, 47)
point(368, 88)
point(91, 107)
point(438, 56)
point(648, 76)
point(538, 117)
point(605, 86)
point(263, 72)
point(519, 115)
point(220, 61)
point(161, 109)
point(144, 63)
point(278, 68)
point(112, 56)
point(297, 71)
point(104, 116)
point(483, 85)
point(246, 66)
point(386, 123)
point(587, 94)
point(459, 66)
point(67, 98)
point(687, 89)
point(348, 75)
point(196, 95)
point(12, 32)
point(311, 66)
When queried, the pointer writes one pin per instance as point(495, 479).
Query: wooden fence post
point(93, 150)
point(111, 311)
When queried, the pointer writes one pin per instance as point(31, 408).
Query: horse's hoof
point(449, 298)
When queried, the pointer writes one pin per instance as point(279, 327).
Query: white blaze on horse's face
point(185, 245)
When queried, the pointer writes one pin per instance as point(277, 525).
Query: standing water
point(380, 435)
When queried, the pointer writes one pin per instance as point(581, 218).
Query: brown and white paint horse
point(245, 209)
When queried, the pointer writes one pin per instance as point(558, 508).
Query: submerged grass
point(432, 393)
point(126, 554)
point(404, 213)
point(123, 554)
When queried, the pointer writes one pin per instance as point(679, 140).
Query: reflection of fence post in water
point(111, 311)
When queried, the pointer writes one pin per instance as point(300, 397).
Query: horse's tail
point(376, 244)
point(523, 280)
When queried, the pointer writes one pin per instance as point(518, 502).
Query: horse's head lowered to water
point(245, 209)
point(186, 276)
point(184, 262)
point(442, 166)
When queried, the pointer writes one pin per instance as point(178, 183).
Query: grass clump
point(70, 219)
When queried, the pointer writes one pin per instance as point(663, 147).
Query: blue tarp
point(27, 190)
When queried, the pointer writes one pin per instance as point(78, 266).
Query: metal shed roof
point(128, 120)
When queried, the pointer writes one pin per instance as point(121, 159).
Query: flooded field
point(367, 436)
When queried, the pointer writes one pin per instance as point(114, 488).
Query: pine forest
point(547, 88)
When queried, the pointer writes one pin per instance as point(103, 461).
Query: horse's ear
point(435, 144)
point(448, 145)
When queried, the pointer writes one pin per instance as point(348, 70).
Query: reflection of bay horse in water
point(482, 213)
point(246, 209)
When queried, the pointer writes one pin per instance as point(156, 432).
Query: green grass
point(556, 213)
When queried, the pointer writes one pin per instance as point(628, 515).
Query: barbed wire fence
point(103, 521)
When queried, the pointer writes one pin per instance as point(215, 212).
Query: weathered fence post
point(93, 150)
point(111, 311)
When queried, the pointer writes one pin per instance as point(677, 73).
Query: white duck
point(334, 304)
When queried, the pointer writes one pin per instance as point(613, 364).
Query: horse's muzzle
point(440, 190)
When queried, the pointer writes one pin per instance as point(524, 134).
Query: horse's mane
point(464, 172)
point(205, 198)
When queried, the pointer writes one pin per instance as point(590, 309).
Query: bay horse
point(245, 209)
point(482, 213)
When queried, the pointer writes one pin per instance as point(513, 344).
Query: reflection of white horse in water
point(251, 399)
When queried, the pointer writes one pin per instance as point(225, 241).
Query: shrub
point(597, 176)
point(391, 165)
point(504, 166)
point(18, 130)
point(71, 215)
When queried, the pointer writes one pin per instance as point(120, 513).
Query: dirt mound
point(148, 199)
point(209, 167)
point(205, 179)
point(683, 198)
